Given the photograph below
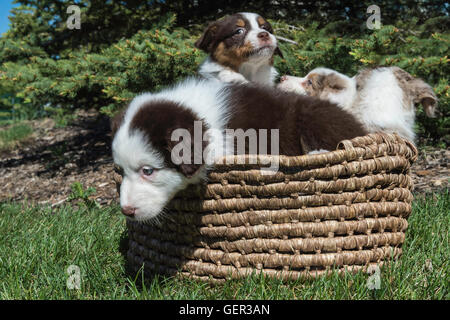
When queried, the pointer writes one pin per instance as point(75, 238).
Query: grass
point(14, 135)
point(38, 244)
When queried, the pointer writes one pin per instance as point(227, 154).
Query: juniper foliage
point(127, 47)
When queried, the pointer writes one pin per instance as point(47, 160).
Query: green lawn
point(12, 136)
point(38, 244)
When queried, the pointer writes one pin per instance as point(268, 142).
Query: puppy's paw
point(231, 76)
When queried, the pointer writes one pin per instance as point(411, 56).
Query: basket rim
point(358, 148)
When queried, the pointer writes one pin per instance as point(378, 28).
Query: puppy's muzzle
point(128, 211)
point(264, 37)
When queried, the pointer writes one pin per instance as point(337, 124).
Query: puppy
point(147, 146)
point(382, 98)
point(240, 48)
point(325, 84)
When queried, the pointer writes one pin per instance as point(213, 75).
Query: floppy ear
point(424, 94)
point(186, 154)
point(207, 39)
point(116, 121)
point(429, 104)
point(278, 52)
point(334, 82)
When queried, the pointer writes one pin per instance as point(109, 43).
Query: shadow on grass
point(88, 148)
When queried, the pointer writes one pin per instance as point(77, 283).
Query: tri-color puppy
point(146, 141)
point(241, 48)
point(382, 98)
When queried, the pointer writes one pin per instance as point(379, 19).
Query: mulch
point(43, 169)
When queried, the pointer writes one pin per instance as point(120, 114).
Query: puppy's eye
point(239, 31)
point(147, 171)
point(309, 82)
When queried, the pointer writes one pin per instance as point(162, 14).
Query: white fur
point(380, 105)
point(318, 151)
point(257, 69)
point(345, 97)
point(292, 84)
point(132, 152)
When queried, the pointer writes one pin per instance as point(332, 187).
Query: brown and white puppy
point(382, 98)
point(161, 145)
point(241, 48)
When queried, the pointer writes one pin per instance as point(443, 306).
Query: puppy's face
point(142, 148)
point(322, 83)
point(239, 38)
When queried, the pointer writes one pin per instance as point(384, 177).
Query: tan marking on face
point(261, 21)
point(232, 57)
point(240, 23)
point(315, 88)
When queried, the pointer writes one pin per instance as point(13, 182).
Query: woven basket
point(341, 210)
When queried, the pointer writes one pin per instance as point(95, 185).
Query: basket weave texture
point(342, 210)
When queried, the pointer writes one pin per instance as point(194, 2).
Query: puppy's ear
point(424, 94)
point(186, 153)
point(318, 80)
point(429, 103)
point(116, 121)
point(206, 41)
point(417, 90)
point(334, 82)
point(278, 52)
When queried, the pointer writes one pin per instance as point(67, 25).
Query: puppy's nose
point(128, 211)
point(264, 35)
point(283, 78)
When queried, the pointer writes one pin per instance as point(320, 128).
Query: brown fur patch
point(304, 123)
point(116, 121)
point(416, 91)
point(158, 119)
point(322, 85)
point(232, 57)
point(240, 23)
point(333, 82)
point(223, 30)
point(261, 21)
